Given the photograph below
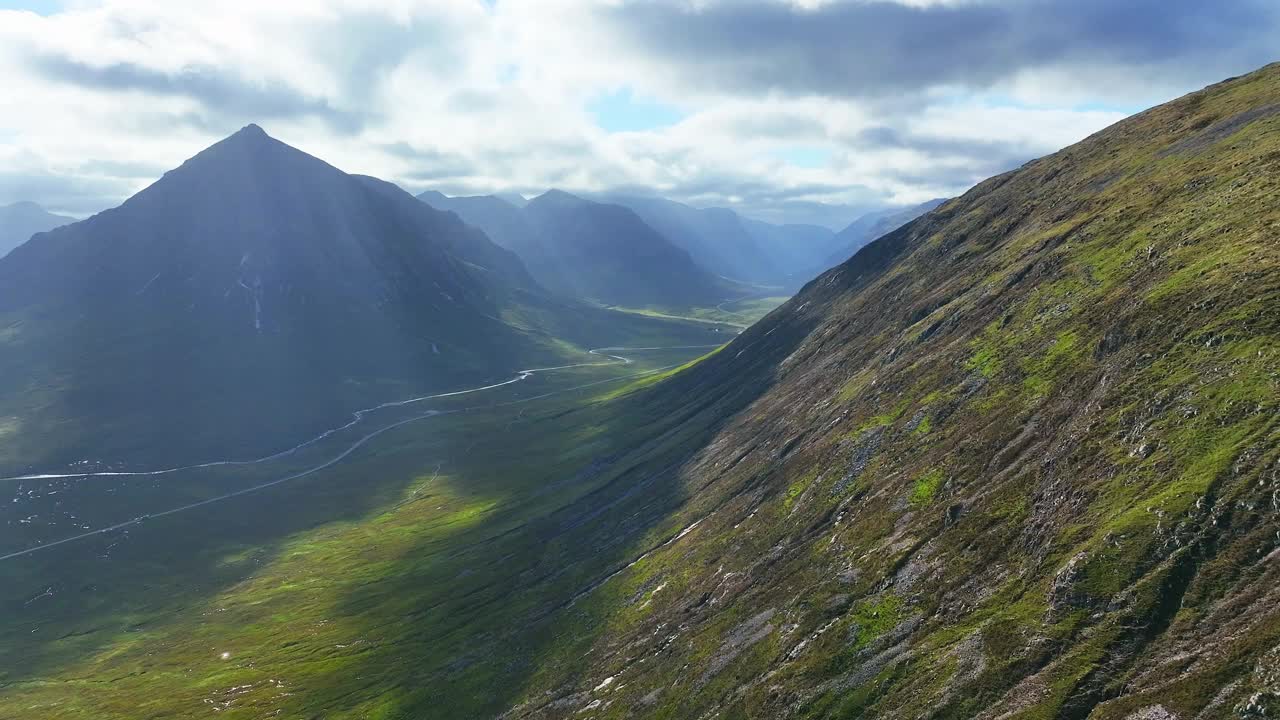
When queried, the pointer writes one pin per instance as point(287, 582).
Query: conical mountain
point(247, 295)
point(1019, 458)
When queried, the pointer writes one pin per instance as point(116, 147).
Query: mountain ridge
point(582, 248)
point(871, 226)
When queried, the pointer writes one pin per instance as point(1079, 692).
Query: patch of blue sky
point(508, 73)
point(40, 7)
point(804, 156)
point(622, 111)
point(1005, 101)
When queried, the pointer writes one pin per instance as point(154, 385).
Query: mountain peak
point(251, 130)
point(557, 198)
point(249, 136)
point(514, 198)
point(248, 153)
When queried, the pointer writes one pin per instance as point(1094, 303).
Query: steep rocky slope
point(1017, 459)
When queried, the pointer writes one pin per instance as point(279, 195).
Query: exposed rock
point(743, 636)
point(1154, 712)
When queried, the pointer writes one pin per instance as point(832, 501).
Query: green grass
point(925, 487)
point(733, 313)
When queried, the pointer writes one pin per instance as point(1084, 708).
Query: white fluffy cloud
point(788, 109)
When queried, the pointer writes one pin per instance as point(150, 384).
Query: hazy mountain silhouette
point(19, 221)
point(600, 251)
point(716, 238)
point(871, 226)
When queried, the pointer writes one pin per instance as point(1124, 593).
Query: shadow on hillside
point(68, 605)
point(461, 632)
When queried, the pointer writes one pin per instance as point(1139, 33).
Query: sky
point(786, 110)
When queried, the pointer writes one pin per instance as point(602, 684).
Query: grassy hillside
point(1017, 459)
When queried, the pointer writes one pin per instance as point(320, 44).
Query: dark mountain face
point(869, 227)
point(251, 291)
point(19, 221)
point(580, 248)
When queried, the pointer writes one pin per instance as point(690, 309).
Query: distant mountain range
point(19, 221)
point(252, 294)
point(585, 249)
point(717, 240)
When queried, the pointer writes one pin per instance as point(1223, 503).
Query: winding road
point(344, 454)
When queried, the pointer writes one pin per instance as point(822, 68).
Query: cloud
point(210, 87)
point(875, 48)
point(795, 110)
point(78, 196)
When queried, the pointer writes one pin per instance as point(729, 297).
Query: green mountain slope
point(1017, 459)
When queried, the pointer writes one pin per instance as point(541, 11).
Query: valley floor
point(370, 587)
point(738, 312)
